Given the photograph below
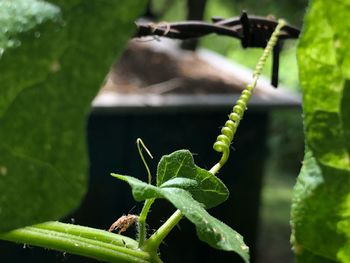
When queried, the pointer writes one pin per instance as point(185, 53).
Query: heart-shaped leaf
point(209, 229)
point(210, 191)
point(176, 164)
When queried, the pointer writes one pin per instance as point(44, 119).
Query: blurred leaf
point(49, 76)
point(307, 257)
point(209, 191)
point(321, 203)
point(209, 229)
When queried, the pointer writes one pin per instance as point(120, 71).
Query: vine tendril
point(140, 144)
point(228, 132)
point(148, 203)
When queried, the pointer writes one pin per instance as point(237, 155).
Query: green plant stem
point(84, 241)
point(142, 220)
point(152, 244)
point(89, 233)
point(216, 168)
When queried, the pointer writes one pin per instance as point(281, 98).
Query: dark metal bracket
point(252, 31)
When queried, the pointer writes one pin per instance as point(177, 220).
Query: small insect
point(123, 223)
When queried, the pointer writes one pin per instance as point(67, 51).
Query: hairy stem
point(142, 220)
point(84, 241)
point(152, 244)
point(149, 202)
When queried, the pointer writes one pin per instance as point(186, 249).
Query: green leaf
point(306, 256)
point(176, 164)
point(209, 229)
point(140, 190)
point(56, 63)
point(18, 16)
point(321, 202)
point(180, 182)
point(210, 191)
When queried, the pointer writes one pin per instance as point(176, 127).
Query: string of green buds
point(224, 140)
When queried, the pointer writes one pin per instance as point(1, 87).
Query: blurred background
point(285, 137)
point(267, 151)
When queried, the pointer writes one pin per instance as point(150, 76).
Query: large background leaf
point(54, 59)
point(321, 203)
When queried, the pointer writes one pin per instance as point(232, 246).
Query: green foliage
point(293, 11)
point(210, 191)
point(21, 15)
point(54, 59)
point(181, 182)
point(321, 203)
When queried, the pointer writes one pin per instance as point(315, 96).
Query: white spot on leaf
point(3, 170)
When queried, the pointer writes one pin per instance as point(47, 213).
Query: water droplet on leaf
point(3, 170)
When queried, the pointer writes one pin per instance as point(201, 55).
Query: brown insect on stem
point(123, 223)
